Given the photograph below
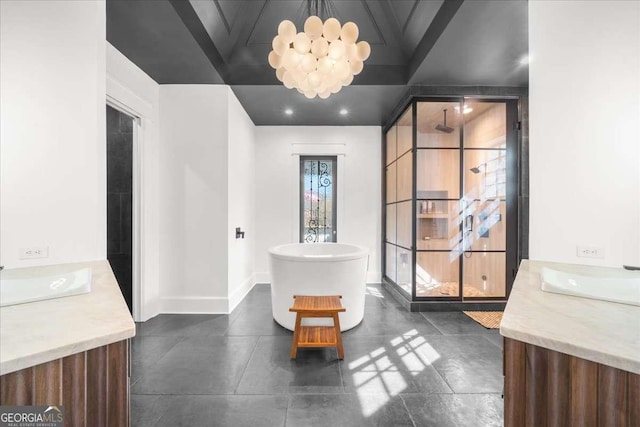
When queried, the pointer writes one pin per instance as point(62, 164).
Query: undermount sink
point(19, 288)
point(623, 289)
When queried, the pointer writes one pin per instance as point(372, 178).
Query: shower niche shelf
point(433, 220)
point(435, 215)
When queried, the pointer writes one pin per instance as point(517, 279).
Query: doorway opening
point(121, 134)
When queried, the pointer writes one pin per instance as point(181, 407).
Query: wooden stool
point(317, 336)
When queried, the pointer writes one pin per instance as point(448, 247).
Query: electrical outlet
point(34, 252)
point(590, 251)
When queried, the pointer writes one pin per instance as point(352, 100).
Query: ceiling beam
point(440, 22)
point(396, 30)
point(247, 23)
point(192, 21)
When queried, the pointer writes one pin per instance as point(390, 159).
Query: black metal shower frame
point(513, 160)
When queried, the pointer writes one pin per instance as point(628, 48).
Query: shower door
point(489, 199)
point(466, 201)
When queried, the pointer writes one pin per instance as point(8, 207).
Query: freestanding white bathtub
point(318, 269)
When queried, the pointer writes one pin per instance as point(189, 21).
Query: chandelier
point(320, 60)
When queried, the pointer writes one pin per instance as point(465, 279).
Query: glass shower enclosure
point(450, 199)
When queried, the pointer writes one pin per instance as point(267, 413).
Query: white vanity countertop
point(599, 331)
point(43, 331)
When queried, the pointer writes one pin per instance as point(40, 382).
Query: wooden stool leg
point(336, 326)
point(296, 336)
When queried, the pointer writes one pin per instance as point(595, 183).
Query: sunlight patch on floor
point(378, 377)
point(374, 292)
point(371, 403)
point(366, 358)
point(417, 361)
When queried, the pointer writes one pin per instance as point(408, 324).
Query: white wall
point(132, 90)
point(277, 186)
point(197, 186)
point(584, 130)
point(241, 211)
point(52, 130)
point(199, 179)
point(193, 203)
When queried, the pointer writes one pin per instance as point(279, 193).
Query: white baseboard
point(242, 291)
point(218, 305)
point(149, 311)
point(374, 277)
point(263, 277)
point(194, 305)
point(206, 305)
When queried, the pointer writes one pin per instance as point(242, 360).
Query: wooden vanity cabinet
point(92, 386)
point(547, 388)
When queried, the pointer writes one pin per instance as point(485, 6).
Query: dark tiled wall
point(523, 196)
point(120, 198)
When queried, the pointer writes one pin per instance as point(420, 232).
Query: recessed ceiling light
point(344, 112)
point(288, 111)
point(525, 60)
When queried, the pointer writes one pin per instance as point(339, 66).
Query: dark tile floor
point(400, 368)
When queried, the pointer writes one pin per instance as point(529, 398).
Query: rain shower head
point(443, 127)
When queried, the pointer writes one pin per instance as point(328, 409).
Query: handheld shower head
point(443, 127)
point(477, 169)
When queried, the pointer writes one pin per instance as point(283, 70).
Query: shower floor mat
point(488, 319)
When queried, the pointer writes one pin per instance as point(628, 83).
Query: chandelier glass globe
point(320, 60)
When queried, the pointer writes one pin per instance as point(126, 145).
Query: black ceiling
point(413, 42)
